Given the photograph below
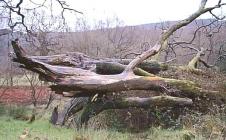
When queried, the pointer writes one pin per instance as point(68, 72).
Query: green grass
point(208, 127)
point(11, 129)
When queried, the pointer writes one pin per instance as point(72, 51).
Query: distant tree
point(14, 13)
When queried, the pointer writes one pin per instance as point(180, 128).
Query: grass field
point(209, 127)
point(11, 129)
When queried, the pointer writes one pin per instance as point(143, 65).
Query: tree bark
point(94, 108)
point(88, 83)
point(101, 66)
point(72, 107)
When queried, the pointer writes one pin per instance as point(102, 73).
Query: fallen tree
point(82, 76)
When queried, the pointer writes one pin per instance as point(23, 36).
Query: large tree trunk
point(101, 66)
point(72, 82)
point(88, 83)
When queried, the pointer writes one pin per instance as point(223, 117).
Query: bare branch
point(163, 39)
point(194, 36)
point(64, 7)
point(205, 63)
point(19, 11)
point(215, 16)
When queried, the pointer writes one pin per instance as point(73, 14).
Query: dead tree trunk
point(86, 83)
point(82, 76)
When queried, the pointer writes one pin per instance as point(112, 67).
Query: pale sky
point(134, 12)
point(131, 12)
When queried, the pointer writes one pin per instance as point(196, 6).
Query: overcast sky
point(131, 12)
point(134, 12)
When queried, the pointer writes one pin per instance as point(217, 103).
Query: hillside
point(123, 42)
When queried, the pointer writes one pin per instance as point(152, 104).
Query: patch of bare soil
point(23, 95)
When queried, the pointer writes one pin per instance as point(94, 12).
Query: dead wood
point(70, 108)
point(78, 74)
point(94, 108)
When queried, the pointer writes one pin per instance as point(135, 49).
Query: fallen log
point(82, 79)
point(88, 83)
point(109, 68)
point(101, 66)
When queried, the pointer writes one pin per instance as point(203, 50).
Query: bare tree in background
point(104, 36)
point(37, 90)
point(13, 12)
point(35, 85)
point(45, 33)
point(122, 40)
point(32, 17)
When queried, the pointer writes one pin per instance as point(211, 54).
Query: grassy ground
point(11, 129)
point(211, 127)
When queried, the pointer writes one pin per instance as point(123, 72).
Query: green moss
point(184, 85)
point(164, 67)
